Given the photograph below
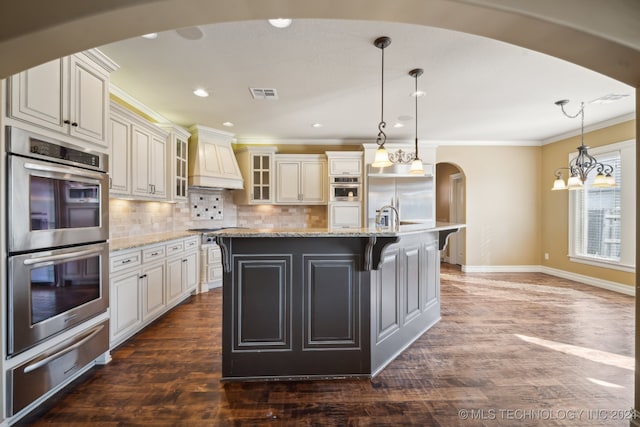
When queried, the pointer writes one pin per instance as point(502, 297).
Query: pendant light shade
point(382, 157)
point(416, 165)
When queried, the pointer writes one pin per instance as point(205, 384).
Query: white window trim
point(627, 261)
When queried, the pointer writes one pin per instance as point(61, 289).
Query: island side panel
point(295, 308)
point(405, 296)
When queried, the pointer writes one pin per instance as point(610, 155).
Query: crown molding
point(116, 91)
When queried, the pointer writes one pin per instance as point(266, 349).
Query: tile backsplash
point(132, 217)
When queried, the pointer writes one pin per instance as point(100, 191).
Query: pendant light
point(382, 157)
point(416, 165)
point(580, 167)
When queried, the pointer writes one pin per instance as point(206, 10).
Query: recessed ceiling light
point(228, 124)
point(151, 36)
point(280, 22)
point(201, 93)
point(398, 125)
point(405, 118)
point(418, 94)
point(317, 125)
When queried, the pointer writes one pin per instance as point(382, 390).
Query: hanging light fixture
point(580, 166)
point(416, 165)
point(382, 157)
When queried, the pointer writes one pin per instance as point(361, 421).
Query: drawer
point(191, 243)
point(125, 260)
point(39, 375)
point(175, 248)
point(153, 253)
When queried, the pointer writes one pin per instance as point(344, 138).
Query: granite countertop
point(409, 228)
point(131, 242)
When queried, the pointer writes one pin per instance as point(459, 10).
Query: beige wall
point(503, 203)
point(555, 204)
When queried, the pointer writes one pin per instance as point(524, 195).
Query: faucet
point(379, 216)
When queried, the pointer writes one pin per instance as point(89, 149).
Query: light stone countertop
point(336, 232)
point(122, 243)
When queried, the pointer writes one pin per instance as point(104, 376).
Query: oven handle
point(50, 258)
point(48, 168)
point(41, 363)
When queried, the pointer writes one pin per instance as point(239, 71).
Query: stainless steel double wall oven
point(58, 227)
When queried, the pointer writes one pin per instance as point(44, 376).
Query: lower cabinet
point(146, 284)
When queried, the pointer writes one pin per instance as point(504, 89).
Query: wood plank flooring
point(510, 350)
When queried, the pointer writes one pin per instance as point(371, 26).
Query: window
point(602, 220)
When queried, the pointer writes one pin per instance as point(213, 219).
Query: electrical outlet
point(546, 255)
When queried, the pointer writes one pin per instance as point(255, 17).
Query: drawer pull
point(126, 261)
point(40, 363)
point(155, 253)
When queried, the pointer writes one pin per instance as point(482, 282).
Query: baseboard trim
point(501, 268)
point(587, 280)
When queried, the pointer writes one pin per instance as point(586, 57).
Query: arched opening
point(451, 207)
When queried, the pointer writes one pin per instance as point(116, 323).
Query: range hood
point(212, 163)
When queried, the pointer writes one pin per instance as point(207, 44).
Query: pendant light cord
point(381, 135)
point(416, 121)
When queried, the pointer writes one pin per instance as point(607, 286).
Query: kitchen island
point(326, 303)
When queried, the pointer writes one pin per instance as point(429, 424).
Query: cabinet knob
point(66, 122)
point(74, 124)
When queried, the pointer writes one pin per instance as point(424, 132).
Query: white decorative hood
point(211, 160)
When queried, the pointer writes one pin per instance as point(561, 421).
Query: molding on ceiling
point(116, 91)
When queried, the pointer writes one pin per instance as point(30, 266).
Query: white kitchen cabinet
point(120, 153)
point(138, 162)
point(152, 289)
point(149, 157)
point(178, 159)
point(301, 179)
point(344, 163)
point(256, 165)
point(345, 214)
point(146, 282)
point(69, 95)
point(125, 305)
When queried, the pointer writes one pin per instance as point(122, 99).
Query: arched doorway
point(451, 207)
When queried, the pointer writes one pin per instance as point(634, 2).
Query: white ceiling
point(328, 72)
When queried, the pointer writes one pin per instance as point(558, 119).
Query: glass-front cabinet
point(256, 164)
point(179, 158)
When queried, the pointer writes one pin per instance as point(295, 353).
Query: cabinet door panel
point(39, 95)
point(191, 271)
point(125, 304)
point(153, 290)
point(89, 101)
point(345, 214)
point(288, 188)
point(174, 279)
point(141, 144)
point(157, 165)
point(313, 182)
point(119, 161)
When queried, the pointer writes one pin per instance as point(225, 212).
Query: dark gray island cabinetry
point(323, 303)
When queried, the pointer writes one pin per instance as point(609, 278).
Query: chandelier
point(581, 165)
point(382, 157)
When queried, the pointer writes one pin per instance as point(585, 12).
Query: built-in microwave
point(344, 188)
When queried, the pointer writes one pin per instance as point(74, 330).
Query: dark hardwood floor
point(510, 350)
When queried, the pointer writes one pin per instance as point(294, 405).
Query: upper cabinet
point(211, 159)
point(179, 160)
point(344, 163)
point(256, 164)
point(138, 161)
point(301, 179)
point(69, 95)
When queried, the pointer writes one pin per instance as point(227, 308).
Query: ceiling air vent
point(263, 93)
